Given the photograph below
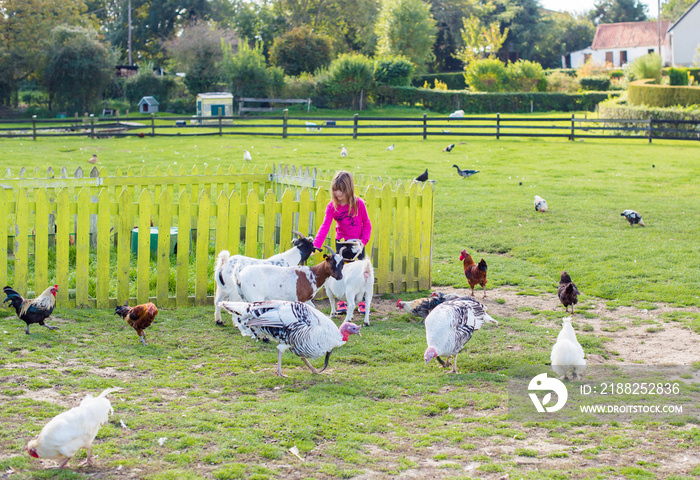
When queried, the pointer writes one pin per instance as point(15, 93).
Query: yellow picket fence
point(78, 231)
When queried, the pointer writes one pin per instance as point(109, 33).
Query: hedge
point(695, 72)
point(595, 84)
point(449, 101)
point(454, 80)
point(618, 108)
point(642, 92)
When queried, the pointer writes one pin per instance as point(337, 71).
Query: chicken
point(421, 307)
point(299, 327)
point(540, 204)
point(449, 147)
point(633, 217)
point(93, 159)
point(139, 317)
point(450, 326)
point(343, 152)
point(476, 274)
point(70, 431)
point(465, 173)
point(390, 147)
point(567, 353)
point(422, 177)
point(568, 293)
point(33, 311)
point(246, 156)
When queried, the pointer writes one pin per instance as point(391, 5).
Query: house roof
point(628, 34)
point(216, 95)
point(149, 100)
point(684, 14)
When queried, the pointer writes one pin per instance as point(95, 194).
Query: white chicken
point(299, 327)
point(343, 152)
point(540, 204)
point(70, 431)
point(450, 326)
point(567, 353)
point(247, 156)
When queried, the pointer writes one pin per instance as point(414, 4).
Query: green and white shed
point(213, 104)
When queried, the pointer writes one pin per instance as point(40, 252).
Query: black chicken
point(33, 311)
point(422, 177)
point(568, 293)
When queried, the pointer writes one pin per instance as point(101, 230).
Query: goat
point(257, 283)
point(227, 268)
point(311, 127)
point(356, 285)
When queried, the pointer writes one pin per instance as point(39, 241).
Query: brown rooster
point(33, 311)
point(476, 274)
point(568, 293)
point(139, 317)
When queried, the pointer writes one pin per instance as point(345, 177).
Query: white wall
point(685, 38)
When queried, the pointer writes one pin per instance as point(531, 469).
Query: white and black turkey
point(299, 327)
point(449, 327)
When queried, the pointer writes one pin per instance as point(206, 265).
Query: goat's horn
point(329, 249)
point(299, 234)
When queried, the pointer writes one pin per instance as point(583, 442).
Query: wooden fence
point(571, 128)
point(78, 231)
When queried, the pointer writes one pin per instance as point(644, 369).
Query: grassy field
point(212, 394)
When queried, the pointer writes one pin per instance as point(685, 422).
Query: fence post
point(153, 124)
point(354, 127)
point(572, 128)
point(284, 122)
point(498, 126)
point(651, 120)
point(308, 105)
point(92, 125)
point(220, 133)
point(425, 127)
point(34, 127)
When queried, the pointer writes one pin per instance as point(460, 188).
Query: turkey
point(298, 327)
point(567, 353)
point(449, 327)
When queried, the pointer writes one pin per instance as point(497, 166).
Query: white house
point(148, 105)
point(619, 43)
point(684, 37)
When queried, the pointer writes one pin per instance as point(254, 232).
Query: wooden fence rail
point(79, 232)
point(571, 128)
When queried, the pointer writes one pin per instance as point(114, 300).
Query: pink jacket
point(347, 227)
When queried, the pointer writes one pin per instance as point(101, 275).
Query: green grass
point(381, 412)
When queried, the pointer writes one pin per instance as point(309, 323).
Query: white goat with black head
point(257, 283)
point(357, 285)
point(228, 267)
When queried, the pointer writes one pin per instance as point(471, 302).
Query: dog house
point(148, 105)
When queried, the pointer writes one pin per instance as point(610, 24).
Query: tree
point(197, 52)
point(449, 16)
point(25, 27)
point(673, 9)
point(564, 33)
point(480, 41)
point(523, 19)
point(78, 68)
point(406, 27)
point(616, 11)
point(301, 50)
point(348, 77)
point(247, 73)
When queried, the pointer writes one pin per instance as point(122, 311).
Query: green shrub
point(646, 66)
point(451, 100)
point(617, 74)
point(453, 80)
point(598, 83)
point(247, 73)
point(571, 72)
point(525, 76)
point(618, 108)
point(486, 75)
point(678, 76)
point(642, 92)
point(301, 50)
point(146, 83)
point(394, 71)
point(348, 78)
point(302, 86)
point(562, 82)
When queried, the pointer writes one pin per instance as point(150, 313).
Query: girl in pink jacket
point(352, 221)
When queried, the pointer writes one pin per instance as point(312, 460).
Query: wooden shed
point(148, 105)
point(213, 104)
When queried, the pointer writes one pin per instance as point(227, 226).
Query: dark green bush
point(301, 50)
point(595, 84)
point(617, 74)
point(454, 80)
point(525, 76)
point(642, 92)
point(349, 79)
point(486, 75)
point(567, 71)
point(450, 100)
point(678, 76)
point(148, 84)
point(394, 71)
point(617, 108)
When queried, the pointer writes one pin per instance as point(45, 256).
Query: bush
point(646, 66)
point(617, 74)
point(617, 108)
point(348, 78)
point(454, 80)
point(146, 83)
point(562, 82)
point(394, 71)
point(303, 86)
point(525, 76)
point(486, 75)
point(449, 101)
point(641, 92)
point(301, 50)
point(678, 76)
point(248, 75)
point(598, 83)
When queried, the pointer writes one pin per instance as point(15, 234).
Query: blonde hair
point(343, 181)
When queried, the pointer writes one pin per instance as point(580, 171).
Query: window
point(586, 57)
point(608, 57)
point(623, 57)
point(651, 50)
